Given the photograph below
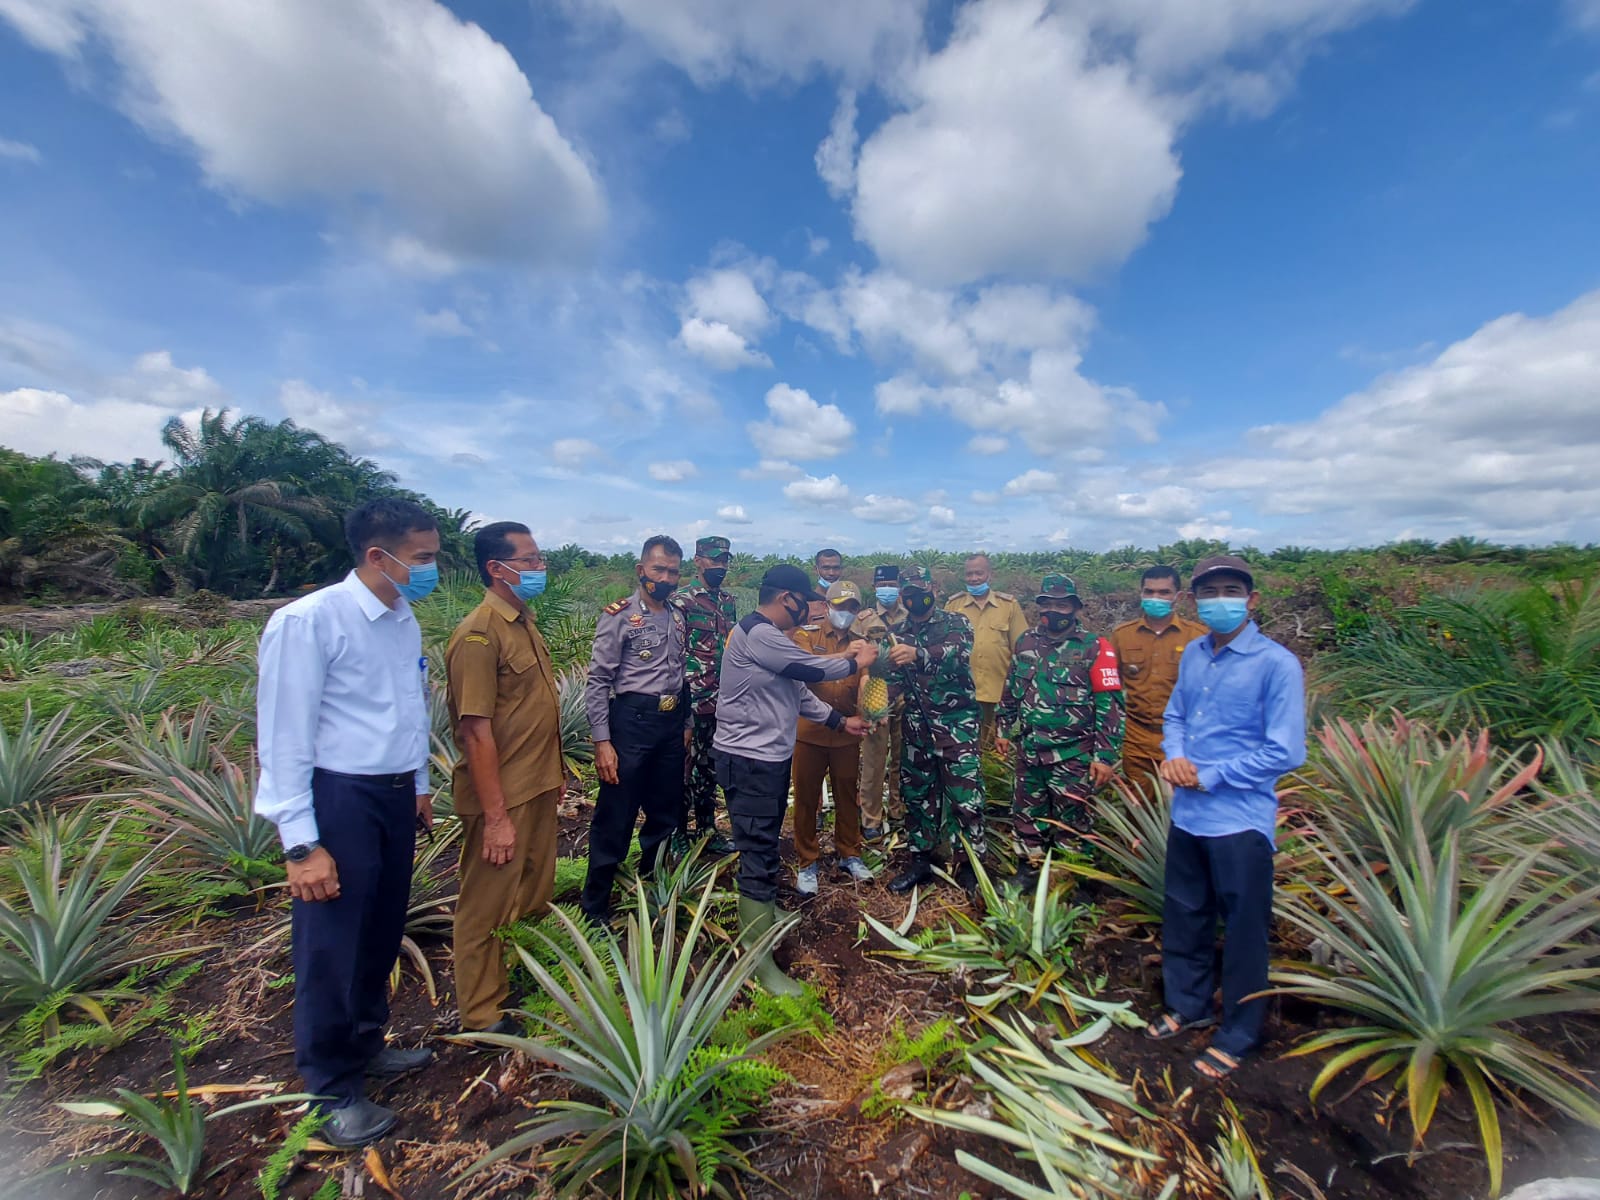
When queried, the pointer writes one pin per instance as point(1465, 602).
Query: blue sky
point(871, 273)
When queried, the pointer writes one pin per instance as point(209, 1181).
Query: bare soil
point(1353, 1145)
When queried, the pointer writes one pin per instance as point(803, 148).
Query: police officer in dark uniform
point(638, 710)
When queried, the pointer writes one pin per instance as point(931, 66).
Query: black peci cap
point(886, 573)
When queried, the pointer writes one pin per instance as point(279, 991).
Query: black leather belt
point(397, 779)
point(641, 700)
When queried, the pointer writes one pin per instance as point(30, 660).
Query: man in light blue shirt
point(342, 737)
point(1234, 725)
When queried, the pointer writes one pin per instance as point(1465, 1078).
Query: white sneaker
point(857, 870)
point(805, 880)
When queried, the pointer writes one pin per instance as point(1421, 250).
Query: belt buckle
point(666, 703)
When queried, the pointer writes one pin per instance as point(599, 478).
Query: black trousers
point(650, 757)
point(758, 794)
point(1211, 878)
point(345, 948)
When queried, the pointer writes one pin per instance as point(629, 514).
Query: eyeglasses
point(535, 562)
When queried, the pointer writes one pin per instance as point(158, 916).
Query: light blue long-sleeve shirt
point(341, 685)
point(1239, 715)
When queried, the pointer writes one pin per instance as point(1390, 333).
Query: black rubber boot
point(918, 871)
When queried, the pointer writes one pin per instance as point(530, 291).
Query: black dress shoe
point(719, 844)
point(392, 1062)
point(919, 870)
point(967, 879)
point(356, 1124)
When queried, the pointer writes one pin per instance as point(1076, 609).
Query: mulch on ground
point(1353, 1145)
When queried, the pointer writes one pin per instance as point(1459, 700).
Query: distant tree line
point(248, 507)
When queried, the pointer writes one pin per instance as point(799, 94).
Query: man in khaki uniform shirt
point(1149, 647)
point(506, 714)
point(997, 622)
point(880, 749)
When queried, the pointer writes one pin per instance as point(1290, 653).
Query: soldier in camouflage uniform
point(710, 615)
point(940, 784)
point(1062, 712)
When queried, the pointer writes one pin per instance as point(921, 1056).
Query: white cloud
point(985, 498)
point(941, 516)
point(988, 443)
point(446, 322)
point(117, 418)
point(1585, 14)
point(714, 39)
point(675, 471)
point(811, 490)
point(1494, 437)
point(836, 156)
point(19, 151)
point(885, 510)
point(395, 109)
point(574, 453)
point(354, 425)
point(799, 428)
point(724, 314)
point(733, 514)
point(1022, 149)
point(1034, 482)
point(719, 345)
point(770, 468)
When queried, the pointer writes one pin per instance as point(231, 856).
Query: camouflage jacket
point(941, 707)
point(710, 618)
point(1063, 699)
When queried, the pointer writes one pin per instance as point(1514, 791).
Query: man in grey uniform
point(638, 713)
point(764, 693)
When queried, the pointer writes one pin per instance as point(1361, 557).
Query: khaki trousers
point(1139, 768)
point(495, 896)
point(880, 755)
point(841, 764)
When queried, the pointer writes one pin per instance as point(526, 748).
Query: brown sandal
point(1216, 1065)
point(1170, 1025)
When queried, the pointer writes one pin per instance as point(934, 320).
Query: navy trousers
point(345, 948)
point(650, 758)
point(758, 795)
point(1211, 879)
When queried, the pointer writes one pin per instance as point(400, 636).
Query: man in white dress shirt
point(342, 735)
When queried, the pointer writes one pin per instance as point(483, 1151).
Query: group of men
point(686, 698)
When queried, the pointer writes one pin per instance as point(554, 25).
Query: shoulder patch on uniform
point(476, 637)
point(615, 606)
point(1004, 596)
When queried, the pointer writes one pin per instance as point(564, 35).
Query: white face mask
point(841, 618)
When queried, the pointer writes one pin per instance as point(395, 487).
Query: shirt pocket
point(1136, 664)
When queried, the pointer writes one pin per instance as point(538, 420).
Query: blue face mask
point(887, 596)
point(977, 589)
point(1223, 614)
point(1155, 608)
point(529, 584)
point(423, 578)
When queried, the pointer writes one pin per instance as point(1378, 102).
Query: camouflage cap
point(916, 577)
point(712, 547)
point(842, 591)
point(1058, 587)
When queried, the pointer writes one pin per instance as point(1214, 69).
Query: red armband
point(1104, 675)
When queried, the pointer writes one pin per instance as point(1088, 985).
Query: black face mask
point(714, 576)
point(918, 603)
point(657, 591)
point(1057, 622)
point(797, 615)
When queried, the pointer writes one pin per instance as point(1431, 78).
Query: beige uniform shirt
point(1149, 662)
point(997, 622)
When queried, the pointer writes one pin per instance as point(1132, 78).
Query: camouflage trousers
point(700, 779)
point(1050, 806)
point(943, 798)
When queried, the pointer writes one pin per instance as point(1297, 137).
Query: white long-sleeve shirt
point(342, 685)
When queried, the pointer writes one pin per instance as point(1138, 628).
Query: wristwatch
point(301, 852)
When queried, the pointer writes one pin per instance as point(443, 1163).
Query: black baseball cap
point(1222, 564)
point(788, 578)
